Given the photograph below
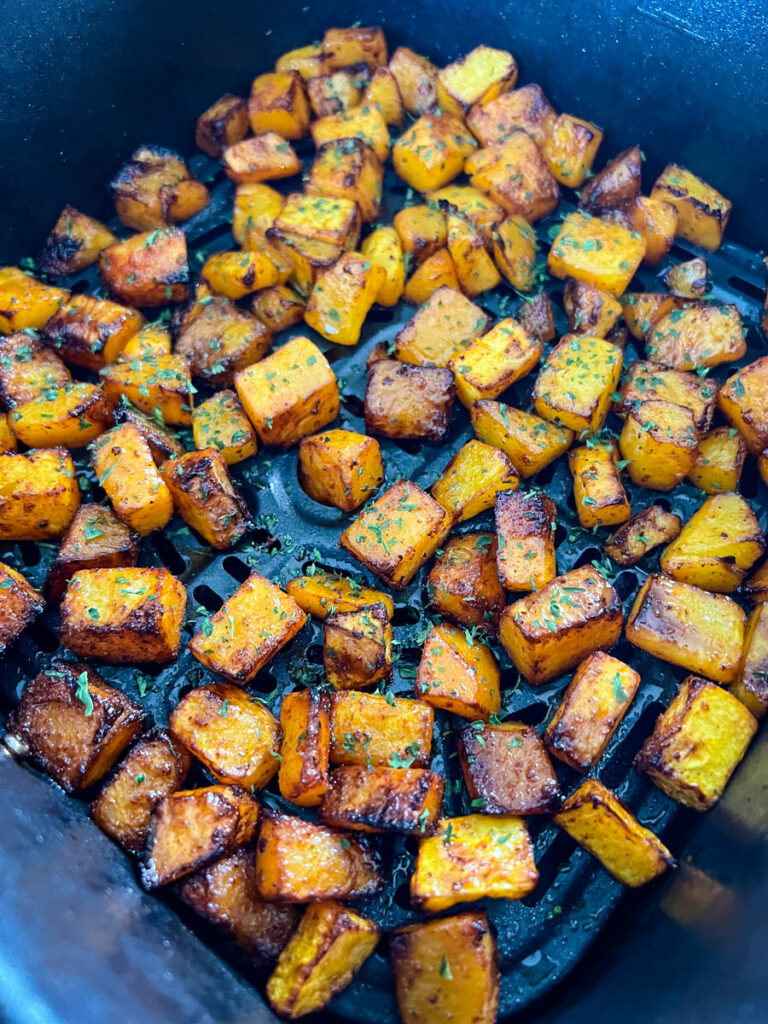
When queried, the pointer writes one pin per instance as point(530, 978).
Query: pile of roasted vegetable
point(488, 159)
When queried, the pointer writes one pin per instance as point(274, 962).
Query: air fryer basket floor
point(542, 937)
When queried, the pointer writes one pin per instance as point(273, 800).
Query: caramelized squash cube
point(39, 494)
point(218, 338)
point(570, 149)
point(163, 443)
point(403, 401)
point(149, 342)
point(91, 332)
point(305, 718)
point(432, 151)
point(642, 533)
point(606, 828)
point(341, 90)
point(157, 383)
point(382, 247)
point(359, 44)
point(458, 673)
point(478, 77)
point(325, 593)
point(260, 158)
point(529, 442)
point(348, 169)
point(535, 315)
point(514, 251)
point(552, 630)
point(471, 204)
point(147, 269)
point(26, 302)
point(596, 252)
point(222, 125)
point(20, 604)
point(700, 335)
point(688, 626)
point(641, 310)
point(576, 382)
point(589, 310)
point(422, 231)
point(156, 188)
point(646, 381)
point(220, 422)
point(719, 464)
point(751, 683)
point(470, 482)
point(655, 220)
point(74, 243)
point(256, 206)
point(689, 280)
point(405, 800)
point(124, 467)
point(438, 271)
point(702, 212)
point(74, 724)
point(327, 219)
point(357, 647)
point(205, 498)
point(96, 539)
point(340, 468)
point(440, 329)
point(342, 297)
point(362, 122)
point(528, 109)
point(416, 79)
point(306, 258)
point(69, 417)
point(530, 191)
point(660, 443)
point(743, 401)
point(27, 368)
point(383, 92)
point(278, 307)
point(525, 526)
point(463, 584)
point(618, 183)
point(307, 60)
point(475, 269)
point(236, 274)
point(371, 729)
point(597, 487)
point(279, 104)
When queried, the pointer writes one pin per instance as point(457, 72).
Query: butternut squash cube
point(441, 329)
point(278, 307)
point(416, 79)
point(471, 204)
point(478, 77)
point(597, 487)
point(26, 302)
point(371, 729)
point(237, 274)
point(74, 724)
point(157, 383)
point(514, 251)
point(458, 673)
point(256, 206)
point(553, 629)
point(340, 468)
point(688, 626)
point(193, 827)
point(507, 770)
point(642, 533)
point(342, 296)
point(149, 342)
point(27, 368)
point(362, 122)
point(218, 338)
point(606, 828)
point(74, 243)
point(751, 683)
point(279, 104)
point(327, 950)
point(39, 494)
point(436, 272)
point(575, 384)
point(702, 212)
point(535, 315)
point(528, 109)
point(641, 310)
point(325, 593)
point(96, 539)
point(151, 770)
point(720, 461)
point(291, 393)
point(383, 92)
point(382, 247)
point(327, 219)
point(589, 310)
point(305, 718)
point(358, 44)
point(69, 417)
point(570, 148)
point(530, 191)
point(405, 800)
point(529, 442)
point(147, 269)
point(525, 525)
point(300, 862)
point(306, 257)
point(341, 90)
point(463, 584)
point(124, 467)
point(163, 443)
point(347, 168)
point(398, 533)
point(743, 400)
point(248, 630)
point(688, 280)
point(205, 498)
point(91, 332)
point(697, 743)
point(700, 335)
point(260, 158)
point(422, 230)
point(357, 647)
point(403, 401)
point(660, 443)
point(221, 125)
point(307, 60)
point(646, 381)
point(156, 188)
point(432, 151)
point(123, 615)
point(20, 604)
point(475, 269)
point(655, 220)
point(596, 252)
point(446, 969)
point(474, 857)
point(220, 423)
point(618, 183)
point(470, 482)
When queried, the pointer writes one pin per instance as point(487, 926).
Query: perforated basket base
point(542, 937)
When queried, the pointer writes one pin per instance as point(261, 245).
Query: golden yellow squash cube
point(307, 60)
point(475, 269)
point(124, 467)
point(91, 332)
point(20, 604)
point(432, 151)
point(156, 188)
point(382, 91)
point(529, 191)
point(96, 539)
point(526, 108)
point(159, 382)
point(598, 491)
point(655, 220)
point(263, 157)
point(373, 729)
point(236, 274)
point(340, 468)
point(570, 149)
point(220, 422)
point(603, 825)
point(342, 296)
point(26, 302)
point(422, 230)
point(463, 584)
point(641, 310)
point(553, 629)
point(589, 310)
point(256, 206)
point(357, 647)
point(223, 124)
point(279, 104)
point(362, 122)
point(688, 280)
point(416, 79)
point(27, 368)
point(404, 401)
point(383, 799)
point(529, 442)
point(645, 382)
point(147, 343)
point(360, 44)
point(278, 307)
point(291, 393)
point(327, 219)
point(341, 90)
point(205, 498)
point(525, 527)
point(688, 626)
point(470, 482)
point(576, 382)
point(659, 441)
point(642, 533)
point(382, 247)
point(702, 212)
point(305, 718)
point(479, 77)
point(147, 269)
point(471, 204)
point(595, 251)
point(720, 462)
point(751, 683)
point(217, 339)
point(697, 743)
point(441, 329)
point(699, 335)
point(514, 251)
point(348, 169)
point(436, 272)
point(163, 442)
point(324, 593)
point(458, 673)
point(248, 630)
point(74, 243)
point(39, 494)
point(743, 400)
point(68, 417)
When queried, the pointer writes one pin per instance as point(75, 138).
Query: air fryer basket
point(542, 938)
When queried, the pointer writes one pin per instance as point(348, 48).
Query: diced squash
point(529, 442)
point(306, 258)
point(479, 77)
point(222, 125)
point(432, 151)
point(340, 468)
point(441, 329)
point(720, 461)
point(69, 417)
point(404, 401)
point(616, 185)
point(514, 251)
point(341, 90)
point(702, 212)
point(256, 206)
point(645, 531)
point(163, 443)
point(660, 443)
point(236, 274)
point(645, 381)
point(575, 384)
point(278, 307)
point(531, 191)
point(383, 92)
point(535, 314)
point(158, 383)
point(597, 487)
point(96, 539)
point(699, 335)
point(358, 44)
point(205, 498)
point(371, 729)
point(416, 79)
point(596, 252)
point(458, 673)
point(349, 169)
point(655, 220)
point(26, 302)
point(570, 149)
point(20, 604)
point(357, 647)
point(751, 683)
point(124, 467)
point(689, 280)
point(218, 338)
point(641, 310)
point(149, 342)
point(156, 188)
point(743, 400)
point(305, 718)
point(307, 60)
point(405, 800)
point(74, 243)
point(260, 158)
point(422, 230)
point(475, 269)
point(589, 310)
point(147, 269)
point(327, 219)
point(527, 109)
point(27, 368)
point(220, 423)
point(325, 593)
point(342, 297)
point(463, 584)
point(382, 247)
point(39, 494)
point(472, 205)
point(91, 332)
point(436, 272)
point(279, 104)
point(525, 526)
point(507, 770)
point(470, 482)
point(362, 122)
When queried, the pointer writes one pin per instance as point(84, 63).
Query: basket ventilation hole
point(208, 598)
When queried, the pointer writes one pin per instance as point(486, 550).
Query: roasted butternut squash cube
point(553, 629)
point(697, 743)
point(163, 443)
point(157, 383)
point(341, 90)
point(156, 188)
point(342, 296)
point(96, 539)
point(700, 335)
point(256, 206)
point(306, 258)
point(446, 970)
point(422, 230)
point(218, 338)
point(300, 862)
point(646, 381)
point(236, 274)
point(123, 615)
point(382, 248)
point(74, 724)
point(641, 310)
point(471, 204)
point(438, 271)
point(416, 79)
point(347, 168)
point(595, 251)
point(27, 368)
point(470, 482)
point(340, 468)
point(688, 626)
point(305, 718)
point(193, 827)
point(575, 384)
point(432, 151)
point(26, 302)
point(606, 828)
point(618, 183)
point(224, 893)
point(475, 269)
point(327, 219)
point(248, 630)
point(74, 243)
point(527, 109)
point(507, 770)
point(149, 342)
point(642, 533)
point(371, 729)
point(660, 443)
point(362, 122)
point(597, 487)
point(458, 673)
point(91, 332)
point(720, 461)
point(234, 736)
point(39, 494)
point(205, 498)
point(359, 44)
point(69, 417)
point(655, 220)
point(717, 546)
point(291, 393)
point(405, 800)
point(514, 252)
point(597, 698)
point(220, 423)
point(463, 584)
point(222, 125)
point(398, 533)
point(403, 401)
point(702, 212)
point(147, 269)
point(327, 950)
point(263, 157)
point(278, 307)
point(307, 60)
point(535, 315)
point(278, 103)
point(479, 77)
point(151, 770)
point(325, 593)
point(689, 280)
point(473, 857)
point(20, 604)
point(589, 310)
point(441, 329)
point(529, 442)
point(570, 148)
point(531, 192)
point(124, 467)
point(382, 91)
point(357, 647)
point(525, 555)
point(751, 683)
point(743, 400)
